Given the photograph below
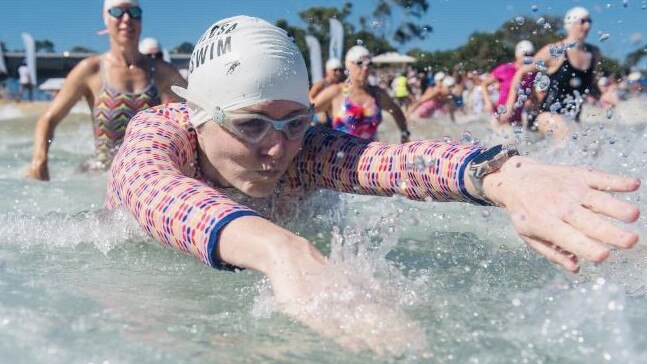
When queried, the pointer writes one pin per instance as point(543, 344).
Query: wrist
point(495, 184)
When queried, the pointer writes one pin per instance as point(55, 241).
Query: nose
point(274, 144)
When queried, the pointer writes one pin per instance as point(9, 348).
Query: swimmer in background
point(334, 75)
point(116, 84)
point(503, 75)
point(435, 98)
point(191, 174)
point(151, 47)
point(355, 105)
point(569, 70)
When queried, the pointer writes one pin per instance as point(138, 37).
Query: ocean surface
point(82, 285)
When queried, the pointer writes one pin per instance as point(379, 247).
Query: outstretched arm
point(75, 87)
point(486, 95)
point(386, 103)
point(323, 101)
point(560, 211)
point(166, 76)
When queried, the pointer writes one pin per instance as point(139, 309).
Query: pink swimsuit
point(155, 175)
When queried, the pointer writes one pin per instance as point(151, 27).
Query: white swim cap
point(449, 81)
point(439, 77)
point(575, 14)
point(357, 52)
point(634, 76)
point(333, 64)
point(242, 61)
point(149, 46)
point(524, 48)
point(107, 4)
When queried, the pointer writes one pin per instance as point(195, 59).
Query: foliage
point(634, 57)
point(485, 50)
point(44, 46)
point(81, 49)
point(184, 48)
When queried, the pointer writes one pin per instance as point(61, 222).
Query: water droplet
point(644, 5)
point(542, 82)
point(609, 113)
point(534, 8)
point(575, 82)
point(467, 138)
point(575, 136)
point(518, 104)
point(555, 107)
point(516, 302)
point(520, 20)
point(340, 154)
point(604, 36)
point(360, 42)
point(527, 60)
point(547, 26)
point(528, 90)
point(556, 51)
point(522, 97)
point(541, 66)
point(501, 109)
point(486, 213)
point(541, 20)
point(625, 3)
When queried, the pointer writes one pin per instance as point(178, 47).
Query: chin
point(259, 189)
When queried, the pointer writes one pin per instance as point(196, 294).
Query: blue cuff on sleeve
point(461, 180)
point(213, 240)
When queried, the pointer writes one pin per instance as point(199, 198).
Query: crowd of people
point(196, 162)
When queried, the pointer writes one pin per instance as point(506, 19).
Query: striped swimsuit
point(112, 111)
point(157, 177)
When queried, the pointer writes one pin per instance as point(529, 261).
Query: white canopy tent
point(393, 58)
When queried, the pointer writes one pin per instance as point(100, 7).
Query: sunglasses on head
point(135, 12)
point(363, 63)
point(253, 127)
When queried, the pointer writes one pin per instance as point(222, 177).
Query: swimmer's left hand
point(558, 210)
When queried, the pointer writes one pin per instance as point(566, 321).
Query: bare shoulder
point(89, 66)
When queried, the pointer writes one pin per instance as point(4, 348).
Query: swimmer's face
point(580, 28)
point(124, 29)
point(253, 169)
point(360, 69)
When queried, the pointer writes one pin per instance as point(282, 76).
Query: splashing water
point(441, 282)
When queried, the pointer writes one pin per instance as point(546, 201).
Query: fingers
point(554, 253)
point(611, 182)
point(572, 240)
point(595, 227)
point(603, 203)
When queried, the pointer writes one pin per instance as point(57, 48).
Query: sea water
point(82, 285)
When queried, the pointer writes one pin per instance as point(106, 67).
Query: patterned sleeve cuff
point(213, 240)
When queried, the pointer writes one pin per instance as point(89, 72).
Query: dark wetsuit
point(569, 86)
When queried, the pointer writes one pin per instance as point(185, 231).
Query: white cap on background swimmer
point(575, 14)
point(239, 62)
point(149, 46)
point(333, 64)
point(524, 48)
point(438, 77)
point(449, 81)
point(356, 53)
point(107, 4)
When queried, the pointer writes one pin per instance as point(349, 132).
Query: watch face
point(488, 154)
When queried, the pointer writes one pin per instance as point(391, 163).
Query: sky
point(69, 23)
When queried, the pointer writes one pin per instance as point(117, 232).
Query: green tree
point(82, 49)
point(408, 27)
point(634, 57)
point(44, 46)
point(184, 48)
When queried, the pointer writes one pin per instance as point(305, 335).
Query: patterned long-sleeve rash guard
point(156, 176)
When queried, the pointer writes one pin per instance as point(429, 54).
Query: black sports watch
point(489, 161)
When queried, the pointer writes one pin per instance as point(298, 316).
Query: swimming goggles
point(135, 12)
point(252, 127)
point(363, 63)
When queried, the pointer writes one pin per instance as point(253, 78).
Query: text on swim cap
point(216, 31)
point(200, 55)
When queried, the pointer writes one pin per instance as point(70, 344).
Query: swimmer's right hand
point(38, 171)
